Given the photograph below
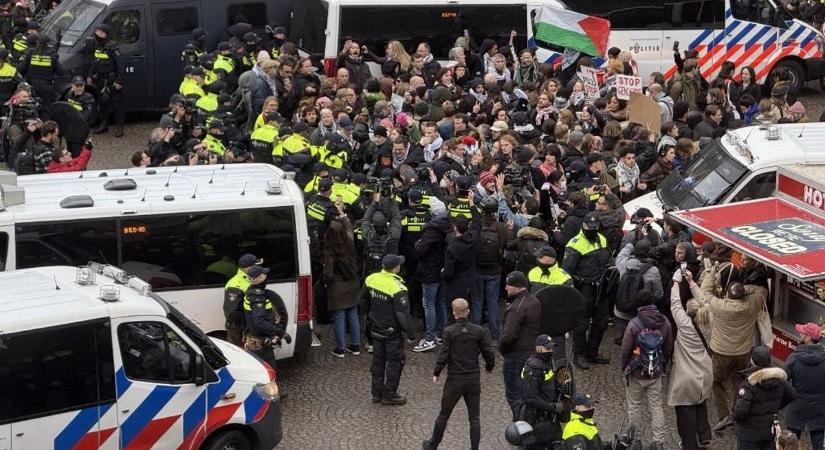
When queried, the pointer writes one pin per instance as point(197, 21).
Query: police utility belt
point(587, 281)
point(383, 333)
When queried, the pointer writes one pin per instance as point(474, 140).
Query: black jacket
point(572, 224)
point(571, 154)
point(539, 391)
point(759, 398)
point(463, 341)
point(520, 326)
point(265, 312)
point(705, 128)
point(431, 247)
point(460, 272)
point(806, 373)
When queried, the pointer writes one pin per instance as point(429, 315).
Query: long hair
point(339, 244)
point(399, 53)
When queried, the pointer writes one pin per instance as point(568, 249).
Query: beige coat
point(734, 321)
point(691, 379)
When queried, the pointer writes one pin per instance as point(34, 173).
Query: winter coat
point(359, 71)
point(526, 239)
point(431, 247)
point(343, 288)
point(75, 165)
point(737, 91)
point(691, 379)
point(806, 373)
point(656, 173)
point(611, 222)
point(446, 164)
point(572, 224)
point(520, 326)
point(765, 392)
point(705, 128)
point(652, 280)
point(734, 321)
point(651, 318)
point(460, 275)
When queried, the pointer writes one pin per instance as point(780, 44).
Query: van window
point(55, 370)
point(151, 351)
point(66, 243)
point(189, 250)
point(72, 18)
point(169, 21)
point(255, 13)
point(760, 186)
point(760, 11)
point(125, 26)
point(653, 14)
point(4, 248)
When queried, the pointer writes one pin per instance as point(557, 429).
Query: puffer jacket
point(734, 321)
point(765, 392)
point(806, 373)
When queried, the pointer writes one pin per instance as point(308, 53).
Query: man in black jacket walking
point(760, 397)
point(463, 341)
point(520, 327)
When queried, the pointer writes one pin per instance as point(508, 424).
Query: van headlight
point(268, 391)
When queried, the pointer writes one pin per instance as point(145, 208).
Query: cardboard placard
point(626, 85)
point(589, 76)
point(645, 111)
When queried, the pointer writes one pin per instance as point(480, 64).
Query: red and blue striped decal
point(142, 416)
point(254, 407)
point(202, 410)
point(74, 435)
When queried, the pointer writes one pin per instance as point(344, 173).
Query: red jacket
point(75, 165)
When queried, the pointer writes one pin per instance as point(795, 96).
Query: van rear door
point(173, 24)
point(129, 29)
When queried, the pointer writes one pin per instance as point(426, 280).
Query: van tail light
point(329, 67)
point(304, 313)
point(270, 372)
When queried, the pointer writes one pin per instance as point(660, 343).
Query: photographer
point(380, 230)
point(23, 130)
point(645, 227)
point(527, 208)
point(161, 148)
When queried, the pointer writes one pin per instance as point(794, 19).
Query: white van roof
point(799, 142)
point(50, 296)
point(156, 190)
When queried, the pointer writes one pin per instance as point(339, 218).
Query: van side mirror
point(200, 371)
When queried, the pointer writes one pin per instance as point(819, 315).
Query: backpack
point(489, 247)
point(690, 90)
point(649, 350)
point(630, 283)
point(527, 258)
point(25, 163)
point(374, 250)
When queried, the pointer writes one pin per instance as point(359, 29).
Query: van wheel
point(797, 74)
point(230, 440)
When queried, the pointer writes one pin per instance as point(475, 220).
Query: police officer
point(390, 320)
point(320, 211)
point(585, 259)
point(105, 73)
point(460, 206)
point(250, 50)
point(9, 77)
point(547, 272)
point(463, 342)
point(581, 433)
point(266, 317)
point(41, 66)
point(277, 37)
point(192, 85)
point(413, 219)
point(208, 104)
point(341, 190)
point(336, 152)
point(540, 403)
point(264, 139)
point(199, 40)
point(214, 139)
point(80, 99)
point(20, 43)
point(234, 293)
point(225, 64)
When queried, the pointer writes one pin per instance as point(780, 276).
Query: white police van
point(90, 358)
point(748, 33)
point(181, 229)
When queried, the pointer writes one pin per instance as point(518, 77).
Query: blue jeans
point(435, 313)
point(489, 296)
point(511, 370)
point(340, 318)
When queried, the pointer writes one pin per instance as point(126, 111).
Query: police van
point(90, 358)
point(181, 229)
point(739, 166)
point(151, 35)
point(749, 33)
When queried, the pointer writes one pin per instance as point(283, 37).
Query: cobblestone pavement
point(329, 398)
point(329, 404)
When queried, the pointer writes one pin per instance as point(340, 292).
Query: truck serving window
point(72, 18)
point(54, 370)
point(703, 181)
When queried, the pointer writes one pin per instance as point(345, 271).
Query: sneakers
point(369, 348)
point(424, 345)
point(337, 352)
point(395, 400)
point(354, 349)
point(427, 445)
point(439, 340)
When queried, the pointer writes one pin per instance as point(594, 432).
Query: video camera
point(517, 178)
point(383, 186)
point(24, 111)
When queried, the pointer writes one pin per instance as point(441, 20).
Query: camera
point(381, 185)
point(517, 178)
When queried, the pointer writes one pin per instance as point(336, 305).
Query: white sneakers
point(424, 345)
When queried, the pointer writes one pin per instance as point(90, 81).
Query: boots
point(580, 362)
point(119, 130)
point(101, 127)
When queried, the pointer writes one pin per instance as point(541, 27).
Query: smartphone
point(338, 199)
point(683, 266)
point(676, 46)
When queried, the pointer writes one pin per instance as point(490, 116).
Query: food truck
point(786, 232)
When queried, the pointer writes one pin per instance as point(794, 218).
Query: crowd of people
point(434, 191)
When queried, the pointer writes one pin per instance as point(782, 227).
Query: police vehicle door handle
point(19, 434)
point(125, 411)
point(138, 56)
point(229, 396)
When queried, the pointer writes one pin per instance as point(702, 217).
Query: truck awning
point(772, 230)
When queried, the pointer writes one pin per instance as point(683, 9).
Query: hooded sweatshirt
point(650, 318)
point(806, 373)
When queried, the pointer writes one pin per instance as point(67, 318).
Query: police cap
point(272, 116)
point(198, 71)
point(216, 124)
point(248, 260)
point(251, 38)
point(199, 33)
point(392, 261)
point(545, 341)
point(223, 45)
point(464, 182)
point(256, 271)
point(546, 251)
point(415, 196)
point(582, 399)
point(591, 222)
point(77, 80)
point(340, 174)
point(177, 99)
point(325, 185)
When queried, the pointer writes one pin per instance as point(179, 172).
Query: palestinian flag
point(572, 30)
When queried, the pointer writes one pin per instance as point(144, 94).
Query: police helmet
point(489, 205)
point(517, 433)
point(104, 28)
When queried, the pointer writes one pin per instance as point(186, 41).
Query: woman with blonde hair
point(396, 62)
